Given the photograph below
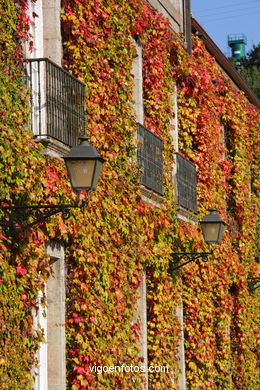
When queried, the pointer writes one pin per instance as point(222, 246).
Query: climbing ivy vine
point(118, 235)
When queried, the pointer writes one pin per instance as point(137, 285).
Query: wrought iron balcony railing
point(149, 155)
point(57, 101)
point(186, 184)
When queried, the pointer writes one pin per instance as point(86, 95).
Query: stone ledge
point(151, 197)
point(186, 215)
point(54, 148)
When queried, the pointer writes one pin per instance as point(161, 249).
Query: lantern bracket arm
point(253, 283)
point(17, 219)
point(176, 258)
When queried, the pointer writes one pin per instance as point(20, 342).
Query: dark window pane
point(186, 184)
point(149, 155)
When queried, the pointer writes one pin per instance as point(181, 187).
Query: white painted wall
point(50, 373)
point(181, 351)
point(142, 315)
point(56, 308)
point(137, 73)
point(38, 105)
point(175, 138)
point(36, 30)
point(41, 371)
point(174, 122)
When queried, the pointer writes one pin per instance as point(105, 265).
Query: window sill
point(53, 147)
point(186, 215)
point(151, 197)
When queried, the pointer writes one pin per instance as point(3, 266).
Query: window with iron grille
point(186, 183)
point(57, 101)
point(149, 155)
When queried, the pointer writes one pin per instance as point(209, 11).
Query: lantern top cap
point(212, 217)
point(83, 151)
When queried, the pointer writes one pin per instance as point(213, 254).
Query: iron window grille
point(186, 184)
point(57, 102)
point(149, 156)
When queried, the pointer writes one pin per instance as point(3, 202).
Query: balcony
point(57, 102)
point(149, 156)
point(186, 184)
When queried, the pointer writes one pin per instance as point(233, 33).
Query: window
point(149, 156)
point(186, 184)
point(57, 101)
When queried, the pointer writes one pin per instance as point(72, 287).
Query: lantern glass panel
point(211, 232)
point(97, 172)
point(81, 173)
point(221, 231)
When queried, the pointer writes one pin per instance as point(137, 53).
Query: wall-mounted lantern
point(84, 166)
point(212, 228)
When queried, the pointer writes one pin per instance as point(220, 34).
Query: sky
point(223, 17)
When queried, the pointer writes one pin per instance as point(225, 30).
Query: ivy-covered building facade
point(92, 302)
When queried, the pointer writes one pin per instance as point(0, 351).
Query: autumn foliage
point(119, 235)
